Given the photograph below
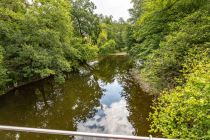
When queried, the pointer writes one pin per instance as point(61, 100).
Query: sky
point(116, 8)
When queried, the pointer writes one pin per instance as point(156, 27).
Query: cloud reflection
point(109, 120)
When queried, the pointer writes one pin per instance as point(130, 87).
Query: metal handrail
point(73, 133)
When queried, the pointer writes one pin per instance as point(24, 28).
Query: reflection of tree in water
point(46, 105)
point(109, 67)
point(83, 94)
point(138, 104)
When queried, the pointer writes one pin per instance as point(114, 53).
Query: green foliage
point(184, 111)
point(38, 41)
point(85, 49)
point(172, 38)
point(85, 22)
point(129, 39)
point(108, 47)
point(166, 36)
point(155, 24)
point(113, 30)
point(3, 71)
point(103, 36)
point(136, 11)
point(165, 63)
point(35, 42)
point(119, 34)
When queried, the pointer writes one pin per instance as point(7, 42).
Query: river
point(102, 99)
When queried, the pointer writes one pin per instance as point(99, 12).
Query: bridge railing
point(73, 133)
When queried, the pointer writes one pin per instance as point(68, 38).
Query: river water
point(101, 99)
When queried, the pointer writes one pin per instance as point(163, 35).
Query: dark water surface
point(102, 99)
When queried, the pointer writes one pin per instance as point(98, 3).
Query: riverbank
point(119, 53)
point(21, 84)
point(143, 84)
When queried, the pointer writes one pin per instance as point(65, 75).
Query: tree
point(163, 38)
point(38, 40)
point(3, 71)
point(85, 22)
point(136, 11)
point(108, 47)
point(113, 30)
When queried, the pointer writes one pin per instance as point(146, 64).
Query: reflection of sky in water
point(112, 116)
point(112, 93)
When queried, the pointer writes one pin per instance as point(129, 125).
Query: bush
point(3, 71)
point(184, 111)
point(108, 47)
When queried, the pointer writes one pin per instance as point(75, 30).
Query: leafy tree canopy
point(85, 22)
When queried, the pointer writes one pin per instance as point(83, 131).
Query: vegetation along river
point(102, 99)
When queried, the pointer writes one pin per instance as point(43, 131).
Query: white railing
point(73, 133)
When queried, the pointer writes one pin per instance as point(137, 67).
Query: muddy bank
point(146, 87)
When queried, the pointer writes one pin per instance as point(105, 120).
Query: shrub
point(108, 47)
point(183, 112)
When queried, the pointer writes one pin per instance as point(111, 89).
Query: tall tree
point(136, 11)
point(86, 23)
point(37, 40)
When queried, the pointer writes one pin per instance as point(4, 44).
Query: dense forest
point(171, 39)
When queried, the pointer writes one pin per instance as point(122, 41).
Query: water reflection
point(110, 120)
point(112, 116)
point(102, 99)
point(112, 93)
